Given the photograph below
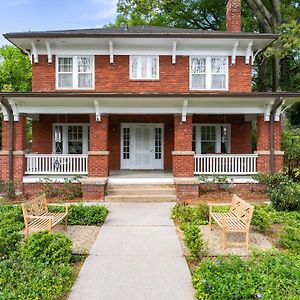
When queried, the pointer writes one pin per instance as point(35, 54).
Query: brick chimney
point(233, 15)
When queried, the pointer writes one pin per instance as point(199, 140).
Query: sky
point(25, 15)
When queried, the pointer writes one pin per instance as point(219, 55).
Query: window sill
point(149, 80)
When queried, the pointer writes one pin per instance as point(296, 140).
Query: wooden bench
point(238, 219)
point(37, 216)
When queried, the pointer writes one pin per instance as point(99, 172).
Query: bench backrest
point(35, 207)
point(242, 209)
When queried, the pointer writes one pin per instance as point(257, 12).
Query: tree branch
point(266, 14)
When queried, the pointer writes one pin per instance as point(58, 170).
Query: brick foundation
point(186, 189)
point(94, 189)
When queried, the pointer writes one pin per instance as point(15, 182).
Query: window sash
point(144, 67)
point(205, 78)
point(83, 75)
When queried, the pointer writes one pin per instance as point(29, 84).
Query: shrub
point(262, 276)
point(290, 237)
point(48, 188)
point(47, 248)
point(80, 214)
point(263, 218)
point(11, 224)
point(283, 193)
point(23, 279)
point(72, 188)
point(193, 215)
point(193, 240)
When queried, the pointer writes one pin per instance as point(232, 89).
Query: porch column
point(94, 186)
point(263, 146)
point(183, 159)
point(19, 146)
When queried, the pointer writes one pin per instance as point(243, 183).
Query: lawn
point(43, 267)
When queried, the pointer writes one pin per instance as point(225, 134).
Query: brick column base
point(183, 163)
point(94, 189)
point(263, 161)
point(187, 189)
point(98, 163)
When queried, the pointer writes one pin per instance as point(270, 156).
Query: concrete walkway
point(137, 255)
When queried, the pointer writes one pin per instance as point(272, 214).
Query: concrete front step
point(142, 192)
point(140, 186)
point(140, 198)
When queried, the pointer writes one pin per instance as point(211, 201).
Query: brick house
point(116, 103)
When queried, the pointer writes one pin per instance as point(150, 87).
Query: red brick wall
point(241, 131)
point(114, 139)
point(42, 130)
point(114, 78)
point(233, 15)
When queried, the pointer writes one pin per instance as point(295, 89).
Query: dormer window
point(75, 72)
point(144, 67)
point(208, 73)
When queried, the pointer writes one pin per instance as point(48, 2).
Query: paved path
point(137, 255)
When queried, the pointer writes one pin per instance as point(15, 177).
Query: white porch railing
point(65, 164)
point(225, 164)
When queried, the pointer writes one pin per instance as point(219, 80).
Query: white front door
point(142, 146)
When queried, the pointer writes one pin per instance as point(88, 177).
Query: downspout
point(11, 138)
point(277, 103)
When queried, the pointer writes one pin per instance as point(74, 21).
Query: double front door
point(142, 146)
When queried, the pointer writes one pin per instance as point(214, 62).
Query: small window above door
point(144, 67)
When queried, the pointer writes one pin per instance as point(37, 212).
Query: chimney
point(233, 15)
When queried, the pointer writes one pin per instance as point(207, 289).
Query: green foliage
point(263, 276)
point(80, 214)
point(72, 188)
point(24, 279)
point(214, 182)
point(283, 193)
point(15, 70)
point(47, 248)
point(193, 240)
point(193, 215)
point(262, 218)
point(48, 188)
point(11, 223)
point(290, 237)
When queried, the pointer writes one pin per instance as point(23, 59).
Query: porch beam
point(234, 51)
point(49, 53)
point(34, 52)
point(268, 110)
point(111, 51)
point(174, 53)
point(14, 109)
point(97, 109)
point(4, 112)
point(184, 110)
point(248, 53)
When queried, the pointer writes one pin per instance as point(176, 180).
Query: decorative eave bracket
point(268, 110)
point(111, 51)
point(279, 111)
point(97, 110)
point(174, 53)
point(249, 53)
point(49, 53)
point(14, 109)
point(34, 52)
point(255, 54)
point(4, 112)
point(234, 51)
point(184, 110)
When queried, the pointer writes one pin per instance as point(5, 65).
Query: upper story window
point(75, 72)
point(208, 73)
point(144, 67)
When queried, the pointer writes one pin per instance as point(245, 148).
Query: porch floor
point(140, 177)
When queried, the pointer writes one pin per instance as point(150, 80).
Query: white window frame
point(139, 77)
point(85, 135)
point(75, 73)
point(218, 136)
point(208, 73)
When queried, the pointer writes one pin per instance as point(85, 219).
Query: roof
point(138, 31)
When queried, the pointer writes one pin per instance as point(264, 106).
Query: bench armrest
point(66, 206)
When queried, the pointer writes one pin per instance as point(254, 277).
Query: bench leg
point(26, 232)
point(223, 242)
point(247, 240)
point(210, 223)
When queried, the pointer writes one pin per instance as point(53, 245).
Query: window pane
point(218, 82)
point(65, 80)
point(65, 64)
point(154, 67)
point(198, 65)
point(58, 139)
point(218, 65)
point(198, 81)
point(85, 64)
point(85, 80)
point(208, 147)
point(143, 68)
point(75, 139)
point(134, 66)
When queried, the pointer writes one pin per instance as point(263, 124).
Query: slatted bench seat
point(238, 219)
point(37, 216)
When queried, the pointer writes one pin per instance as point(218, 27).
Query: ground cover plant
point(42, 267)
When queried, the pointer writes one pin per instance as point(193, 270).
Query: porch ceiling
point(204, 103)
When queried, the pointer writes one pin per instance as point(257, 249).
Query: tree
point(15, 70)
